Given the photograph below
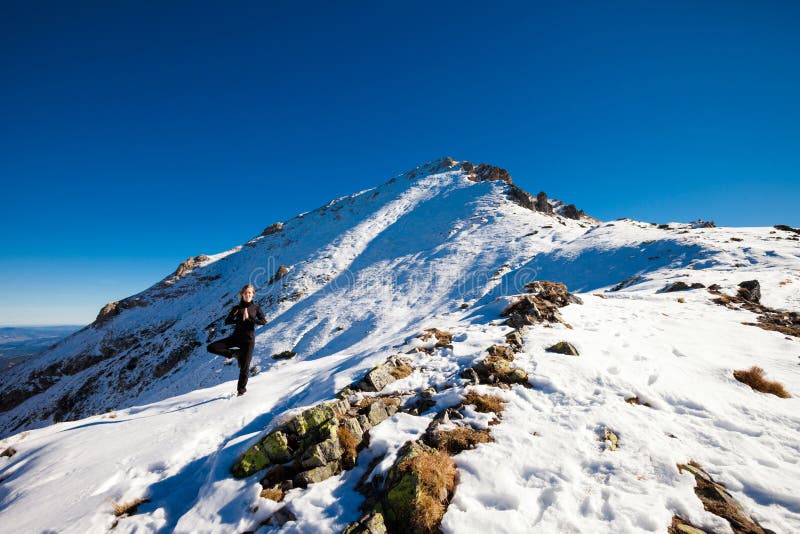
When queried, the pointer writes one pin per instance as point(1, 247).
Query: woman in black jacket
point(244, 315)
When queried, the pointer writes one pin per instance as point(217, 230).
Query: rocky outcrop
point(750, 290)
point(718, 501)
point(281, 272)
point(272, 229)
point(680, 286)
point(571, 212)
point(542, 204)
point(496, 369)
point(785, 322)
point(485, 173)
point(112, 309)
point(787, 228)
point(539, 305)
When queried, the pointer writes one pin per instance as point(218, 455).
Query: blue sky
point(136, 134)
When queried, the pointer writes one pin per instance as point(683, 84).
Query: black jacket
point(254, 315)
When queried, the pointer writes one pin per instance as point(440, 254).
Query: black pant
point(224, 347)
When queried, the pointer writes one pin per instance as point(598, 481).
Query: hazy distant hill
point(19, 343)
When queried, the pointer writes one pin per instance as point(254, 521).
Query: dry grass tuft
point(437, 475)
point(461, 438)
point(484, 403)
point(128, 507)
point(754, 377)
point(348, 443)
point(401, 370)
point(273, 494)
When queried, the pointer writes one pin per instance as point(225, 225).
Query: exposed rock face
point(189, 264)
point(750, 290)
point(542, 204)
point(718, 501)
point(280, 273)
point(272, 229)
point(571, 212)
point(485, 173)
point(540, 305)
point(112, 309)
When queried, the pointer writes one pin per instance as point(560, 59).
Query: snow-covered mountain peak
point(429, 289)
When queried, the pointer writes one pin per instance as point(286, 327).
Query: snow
point(374, 270)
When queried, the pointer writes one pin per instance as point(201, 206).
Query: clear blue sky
point(134, 134)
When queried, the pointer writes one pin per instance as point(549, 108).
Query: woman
point(244, 315)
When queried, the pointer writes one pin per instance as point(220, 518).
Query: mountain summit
point(443, 352)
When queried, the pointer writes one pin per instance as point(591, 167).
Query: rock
point(542, 203)
point(787, 228)
point(718, 501)
point(371, 523)
point(276, 447)
point(501, 351)
point(554, 292)
point(253, 460)
point(514, 340)
point(322, 453)
point(443, 338)
point(611, 438)
point(339, 407)
point(377, 379)
point(352, 425)
point(312, 419)
point(272, 229)
point(571, 212)
point(285, 355)
point(487, 173)
point(714, 287)
point(9, 452)
point(376, 412)
point(697, 285)
point(470, 374)
point(750, 290)
point(563, 347)
point(281, 517)
point(411, 493)
point(280, 273)
point(188, 265)
point(675, 286)
point(364, 422)
point(318, 474)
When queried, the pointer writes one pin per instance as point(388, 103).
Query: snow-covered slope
point(442, 246)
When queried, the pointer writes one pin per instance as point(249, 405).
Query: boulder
point(750, 290)
point(675, 286)
point(371, 523)
point(377, 379)
point(563, 347)
point(317, 474)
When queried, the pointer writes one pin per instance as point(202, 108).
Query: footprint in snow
point(678, 353)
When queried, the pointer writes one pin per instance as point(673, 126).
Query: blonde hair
point(245, 288)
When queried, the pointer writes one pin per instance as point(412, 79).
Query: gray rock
point(318, 474)
point(377, 379)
